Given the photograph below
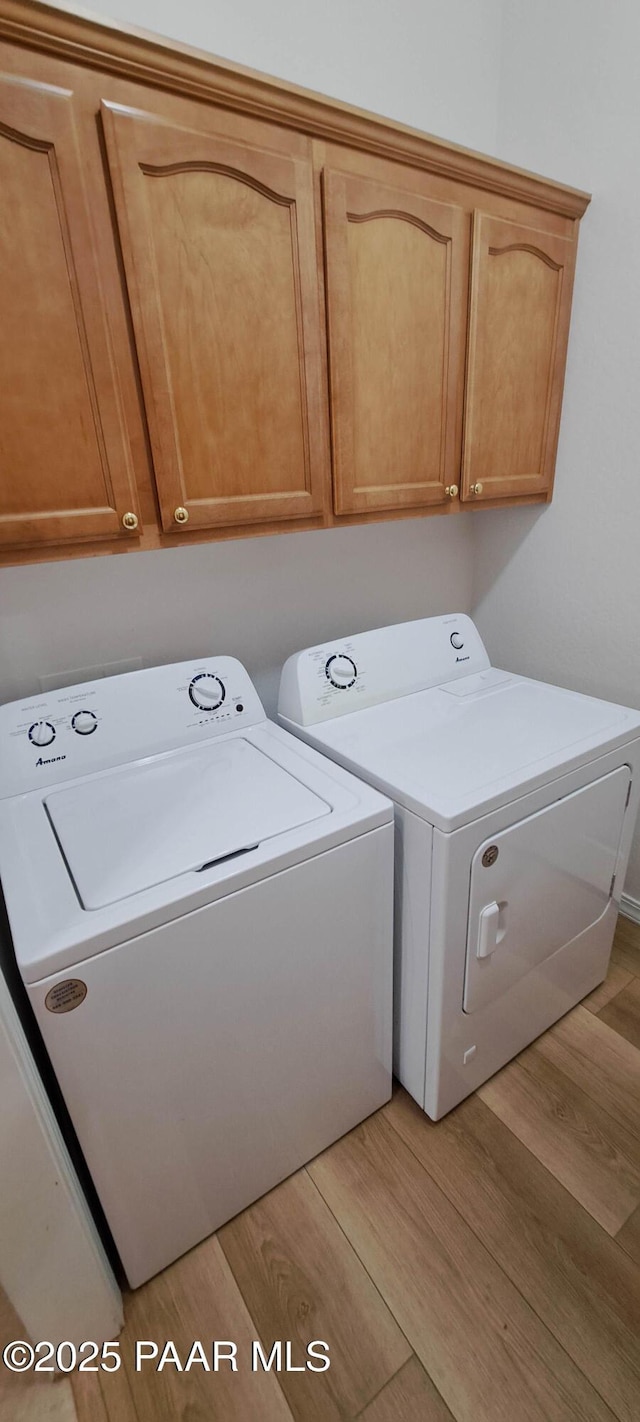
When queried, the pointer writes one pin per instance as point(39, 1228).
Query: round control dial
point(456, 641)
point(206, 691)
point(84, 722)
point(42, 733)
point(341, 671)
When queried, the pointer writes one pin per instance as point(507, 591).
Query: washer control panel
point(354, 672)
point(81, 729)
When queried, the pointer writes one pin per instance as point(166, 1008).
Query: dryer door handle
point(491, 929)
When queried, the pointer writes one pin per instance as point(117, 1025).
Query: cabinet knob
point(181, 515)
point(451, 491)
point(130, 521)
point(476, 488)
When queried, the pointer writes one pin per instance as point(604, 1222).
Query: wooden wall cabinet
point(521, 281)
point(65, 462)
point(218, 241)
point(396, 306)
point(240, 308)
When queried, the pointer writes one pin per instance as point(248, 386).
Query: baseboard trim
point(630, 907)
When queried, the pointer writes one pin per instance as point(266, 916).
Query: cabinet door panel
point(219, 249)
point(518, 329)
point(65, 469)
point(396, 310)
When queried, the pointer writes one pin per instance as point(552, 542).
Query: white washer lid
point(129, 829)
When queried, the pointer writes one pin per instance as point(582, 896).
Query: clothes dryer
point(515, 803)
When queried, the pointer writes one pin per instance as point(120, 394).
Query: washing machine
point(201, 913)
point(515, 803)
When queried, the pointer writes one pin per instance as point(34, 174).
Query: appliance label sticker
point(65, 996)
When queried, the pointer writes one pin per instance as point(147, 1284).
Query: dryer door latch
point(492, 929)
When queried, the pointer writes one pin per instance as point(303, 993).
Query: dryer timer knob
point(341, 671)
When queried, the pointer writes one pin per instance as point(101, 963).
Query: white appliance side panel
point(412, 894)
point(52, 1265)
point(213, 1056)
point(545, 880)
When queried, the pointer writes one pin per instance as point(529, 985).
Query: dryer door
point(540, 883)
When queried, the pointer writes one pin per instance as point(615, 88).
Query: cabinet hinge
point(628, 794)
point(613, 880)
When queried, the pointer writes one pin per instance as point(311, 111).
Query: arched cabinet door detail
point(396, 266)
point(65, 462)
point(218, 242)
point(521, 283)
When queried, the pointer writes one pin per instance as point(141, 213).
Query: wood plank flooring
point(595, 1157)
point(622, 1012)
point(484, 1269)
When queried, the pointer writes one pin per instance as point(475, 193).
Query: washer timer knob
point(206, 691)
point(84, 722)
point(42, 733)
point(341, 671)
point(456, 641)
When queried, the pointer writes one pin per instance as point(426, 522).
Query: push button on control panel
point(42, 733)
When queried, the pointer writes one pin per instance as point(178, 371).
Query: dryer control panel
point(80, 729)
point(354, 672)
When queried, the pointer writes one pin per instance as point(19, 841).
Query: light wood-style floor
point(485, 1269)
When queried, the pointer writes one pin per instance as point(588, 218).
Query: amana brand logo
point(42, 760)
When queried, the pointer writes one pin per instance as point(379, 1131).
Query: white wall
point(430, 63)
point(258, 599)
point(557, 592)
point(433, 63)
